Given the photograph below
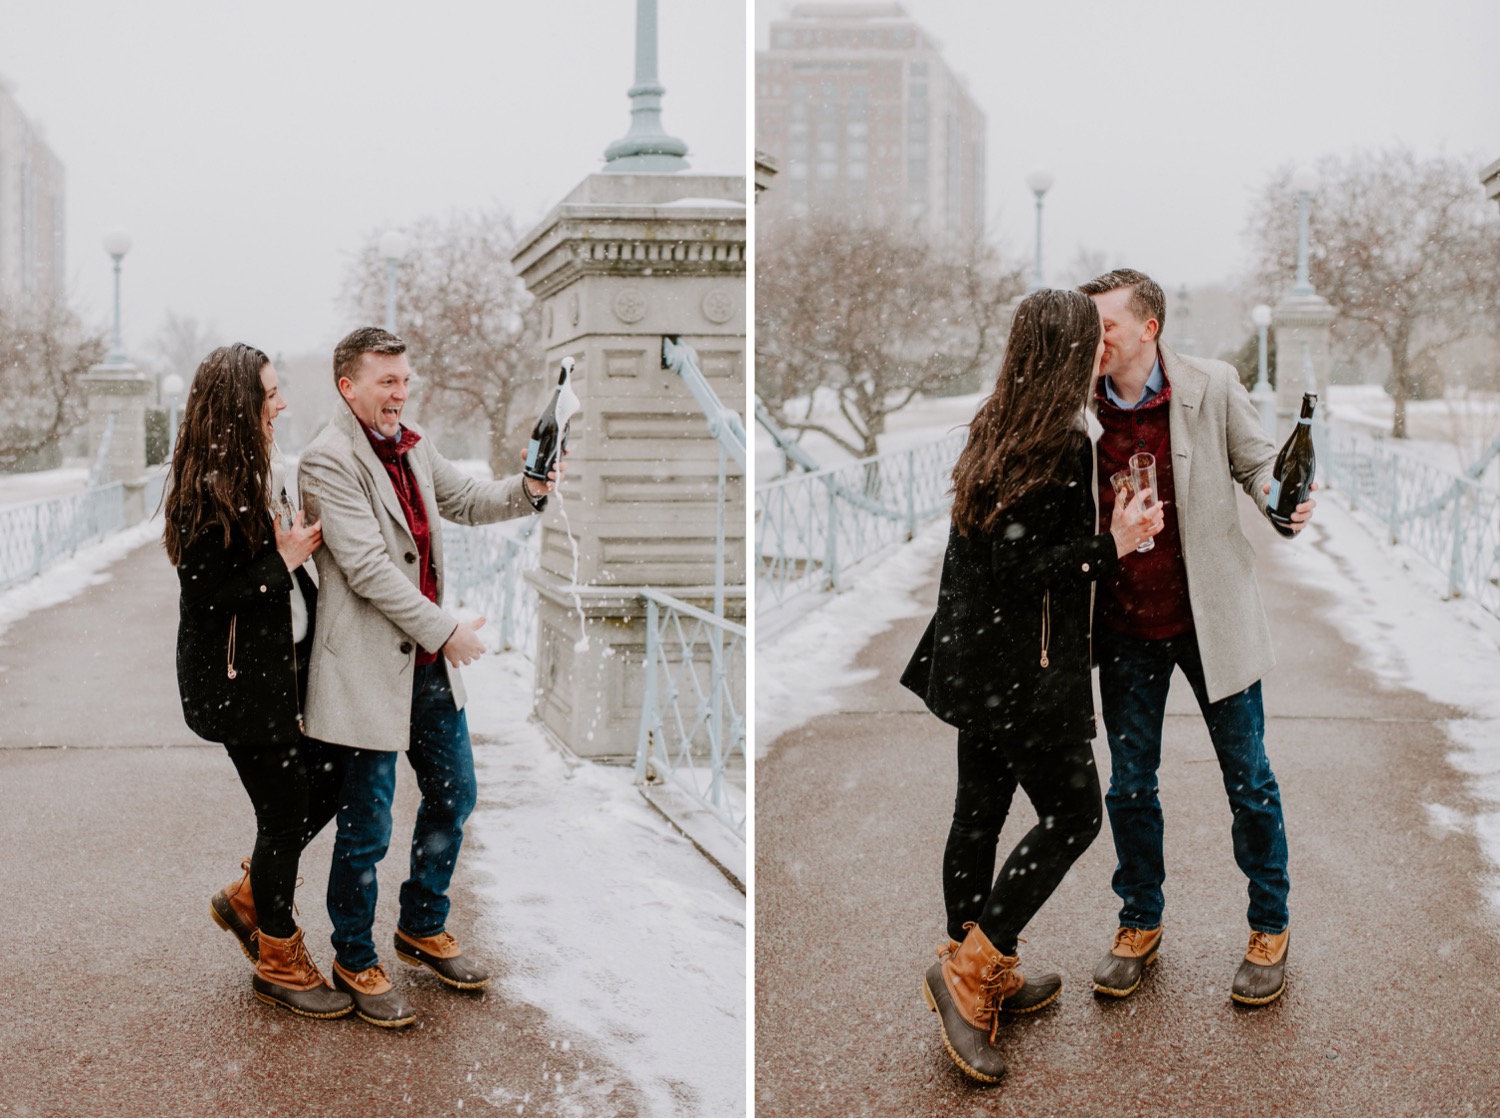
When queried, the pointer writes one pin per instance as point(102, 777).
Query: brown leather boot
point(441, 953)
point(1133, 951)
point(285, 975)
point(376, 999)
point(967, 990)
point(233, 910)
point(1261, 977)
point(1033, 994)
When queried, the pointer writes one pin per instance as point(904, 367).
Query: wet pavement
point(1395, 954)
point(119, 996)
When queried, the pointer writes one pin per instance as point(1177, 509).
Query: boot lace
point(993, 981)
point(302, 962)
point(371, 976)
point(1261, 951)
point(1130, 939)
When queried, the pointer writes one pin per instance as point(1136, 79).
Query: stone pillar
point(121, 389)
point(1303, 356)
point(621, 262)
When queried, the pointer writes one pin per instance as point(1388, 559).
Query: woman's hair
point(222, 460)
point(1025, 432)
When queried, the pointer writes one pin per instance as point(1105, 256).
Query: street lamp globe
point(1260, 315)
point(1305, 179)
point(1039, 182)
point(393, 244)
point(117, 244)
point(172, 385)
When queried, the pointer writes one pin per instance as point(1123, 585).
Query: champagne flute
point(1143, 477)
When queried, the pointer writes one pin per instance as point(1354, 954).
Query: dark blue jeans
point(441, 757)
point(1134, 676)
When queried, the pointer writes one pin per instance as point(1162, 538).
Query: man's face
point(1128, 340)
point(377, 391)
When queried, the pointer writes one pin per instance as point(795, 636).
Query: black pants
point(294, 789)
point(1063, 784)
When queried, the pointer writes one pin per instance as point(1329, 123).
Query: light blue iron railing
point(484, 569)
point(1449, 519)
point(693, 719)
point(35, 535)
point(812, 528)
point(692, 729)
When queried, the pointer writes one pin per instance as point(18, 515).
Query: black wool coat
point(248, 690)
point(1005, 595)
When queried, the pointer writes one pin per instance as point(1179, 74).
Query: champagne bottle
point(1292, 476)
point(549, 438)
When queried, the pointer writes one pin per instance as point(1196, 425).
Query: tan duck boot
point(967, 990)
point(285, 975)
point(1133, 951)
point(1033, 993)
point(1261, 977)
point(233, 910)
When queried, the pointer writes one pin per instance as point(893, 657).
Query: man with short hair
point(384, 675)
point(1190, 602)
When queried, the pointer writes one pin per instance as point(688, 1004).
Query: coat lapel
point(365, 455)
point(1184, 411)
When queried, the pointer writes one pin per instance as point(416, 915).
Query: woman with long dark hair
point(1006, 660)
point(243, 638)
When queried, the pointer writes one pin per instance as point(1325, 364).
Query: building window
point(858, 170)
point(828, 170)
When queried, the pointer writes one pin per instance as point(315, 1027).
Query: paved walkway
point(118, 996)
point(1390, 1007)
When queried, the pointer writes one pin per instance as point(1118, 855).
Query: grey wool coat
point(1218, 443)
point(372, 615)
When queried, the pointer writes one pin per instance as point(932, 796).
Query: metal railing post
point(650, 718)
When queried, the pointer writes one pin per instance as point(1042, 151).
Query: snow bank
point(1389, 607)
point(602, 916)
point(69, 577)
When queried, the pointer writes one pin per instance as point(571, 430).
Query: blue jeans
point(443, 761)
point(1134, 676)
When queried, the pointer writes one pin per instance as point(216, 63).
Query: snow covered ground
point(634, 939)
point(17, 489)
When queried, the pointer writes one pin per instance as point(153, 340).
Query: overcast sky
point(1161, 120)
point(249, 148)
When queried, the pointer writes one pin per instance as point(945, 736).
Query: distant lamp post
point(393, 246)
point(1305, 181)
point(1040, 183)
point(1262, 394)
point(117, 244)
point(171, 386)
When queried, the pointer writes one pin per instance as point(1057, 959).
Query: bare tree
point(180, 345)
point(43, 352)
point(1405, 248)
point(874, 314)
point(473, 330)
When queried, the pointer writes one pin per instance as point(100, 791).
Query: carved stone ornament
point(547, 320)
point(718, 306)
point(630, 305)
point(573, 307)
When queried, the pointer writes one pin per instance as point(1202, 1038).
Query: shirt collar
point(1154, 384)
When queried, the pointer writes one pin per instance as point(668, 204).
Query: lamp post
point(1040, 183)
point(393, 246)
point(117, 244)
point(1262, 394)
point(1304, 181)
point(172, 385)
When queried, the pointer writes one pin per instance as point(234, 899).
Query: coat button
point(411, 557)
point(262, 588)
point(1085, 567)
point(406, 646)
point(1140, 444)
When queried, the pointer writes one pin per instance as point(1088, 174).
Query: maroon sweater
point(1147, 597)
point(392, 454)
